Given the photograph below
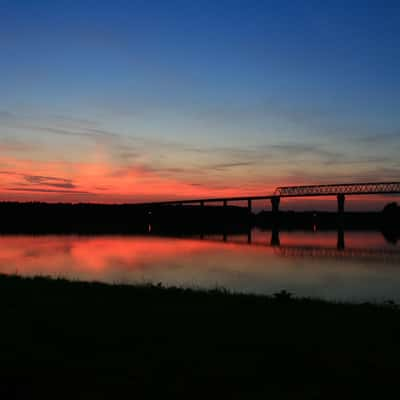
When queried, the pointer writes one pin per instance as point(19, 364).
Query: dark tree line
point(98, 218)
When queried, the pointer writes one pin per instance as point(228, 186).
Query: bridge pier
point(250, 215)
point(341, 201)
point(249, 205)
point(275, 200)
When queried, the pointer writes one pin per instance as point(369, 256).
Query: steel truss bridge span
point(338, 189)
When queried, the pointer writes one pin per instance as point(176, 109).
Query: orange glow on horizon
point(102, 182)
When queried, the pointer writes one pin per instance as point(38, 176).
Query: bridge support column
point(250, 215)
point(340, 200)
point(275, 200)
point(203, 221)
point(225, 219)
point(249, 206)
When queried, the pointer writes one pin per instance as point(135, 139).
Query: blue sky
point(198, 97)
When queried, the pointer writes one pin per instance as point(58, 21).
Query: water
point(304, 263)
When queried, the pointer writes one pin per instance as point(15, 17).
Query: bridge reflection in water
point(379, 254)
point(275, 240)
point(322, 252)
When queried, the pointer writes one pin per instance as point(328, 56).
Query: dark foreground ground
point(63, 340)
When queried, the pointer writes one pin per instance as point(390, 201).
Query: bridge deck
point(208, 200)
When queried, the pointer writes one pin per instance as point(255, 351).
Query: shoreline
point(150, 288)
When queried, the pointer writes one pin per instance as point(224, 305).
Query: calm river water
point(304, 263)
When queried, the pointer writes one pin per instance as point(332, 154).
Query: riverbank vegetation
point(64, 340)
point(44, 218)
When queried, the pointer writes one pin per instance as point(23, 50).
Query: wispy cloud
point(50, 181)
point(58, 125)
point(10, 144)
point(293, 149)
point(86, 132)
point(24, 189)
point(356, 161)
point(380, 138)
point(378, 174)
point(230, 165)
point(31, 182)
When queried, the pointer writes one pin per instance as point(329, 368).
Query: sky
point(129, 101)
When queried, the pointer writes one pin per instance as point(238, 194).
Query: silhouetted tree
point(391, 222)
point(391, 208)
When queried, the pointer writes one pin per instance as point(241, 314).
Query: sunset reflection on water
point(298, 264)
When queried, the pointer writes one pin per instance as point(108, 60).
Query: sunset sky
point(125, 101)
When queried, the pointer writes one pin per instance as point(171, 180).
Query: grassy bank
point(76, 340)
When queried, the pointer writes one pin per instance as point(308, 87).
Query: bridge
point(338, 190)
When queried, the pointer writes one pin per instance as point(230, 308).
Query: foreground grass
point(63, 339)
